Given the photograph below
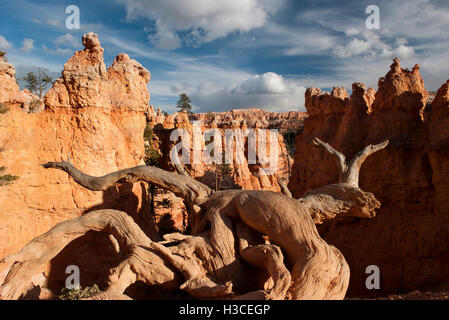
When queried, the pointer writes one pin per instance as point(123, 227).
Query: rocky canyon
point(93, 121)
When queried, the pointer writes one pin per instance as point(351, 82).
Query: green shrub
point(151, 156)
point(148, 133)
point(78, 293)
point(3, 109)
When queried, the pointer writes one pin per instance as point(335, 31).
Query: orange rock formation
point(407, 239)
point(95, 114)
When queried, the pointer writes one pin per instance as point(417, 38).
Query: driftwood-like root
point(264, 256)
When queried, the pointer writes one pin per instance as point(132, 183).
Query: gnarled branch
point(349, 170)
point(284, 189)
point(352, 175)
point(182, 186)
point(343, 199)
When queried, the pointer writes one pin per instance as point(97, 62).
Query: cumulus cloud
point(4, 44)
point(402, 51)
point(58, 51)
point(352, 32)
point(67, 40)
point(371, 43)
point(27, 45)
point(165, 39)
point(64, 45)
point(214, 19)
point(267, 83)
point(354, 47)
point(269, 91)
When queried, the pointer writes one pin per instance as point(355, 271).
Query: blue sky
point(236, 53)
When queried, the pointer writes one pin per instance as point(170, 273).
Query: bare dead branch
point(352, 175)
point(341, 159)
point(349, 171)
point(180, 168)
point(182, 186)
point(264, 256)
point(284, 188)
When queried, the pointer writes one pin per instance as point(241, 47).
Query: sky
point(231, 54)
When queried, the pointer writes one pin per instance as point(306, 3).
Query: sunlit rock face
point(244, 175)
point(92, 113)
point(408, 237)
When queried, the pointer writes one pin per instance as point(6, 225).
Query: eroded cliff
point(407, 239)
point(92, 113)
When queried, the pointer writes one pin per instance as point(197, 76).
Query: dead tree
point(229, 233)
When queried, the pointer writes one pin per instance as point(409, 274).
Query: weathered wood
point(181, 185)
point(349, 170)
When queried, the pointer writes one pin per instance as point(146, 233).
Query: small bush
point(148, 133)
point(78, 293)
point(35, 104)
point(3, 109)
point(151, 156)
point(7, 179)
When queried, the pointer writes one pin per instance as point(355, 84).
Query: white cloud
point(4, 44)
point(294, 40)
point(215, 18)
point(370, 43)
point(27, 45)
point(67, 40)
point(352, 32)
point(354, 47)
point(402, 51)
point(269, 91)
point(165, 39)
point(267, 83)
point(64, 45)
point(58, 51)
point(55, 22)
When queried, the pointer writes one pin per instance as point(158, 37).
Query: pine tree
point(37, 83)
point(183, 103)
point(31, 82)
